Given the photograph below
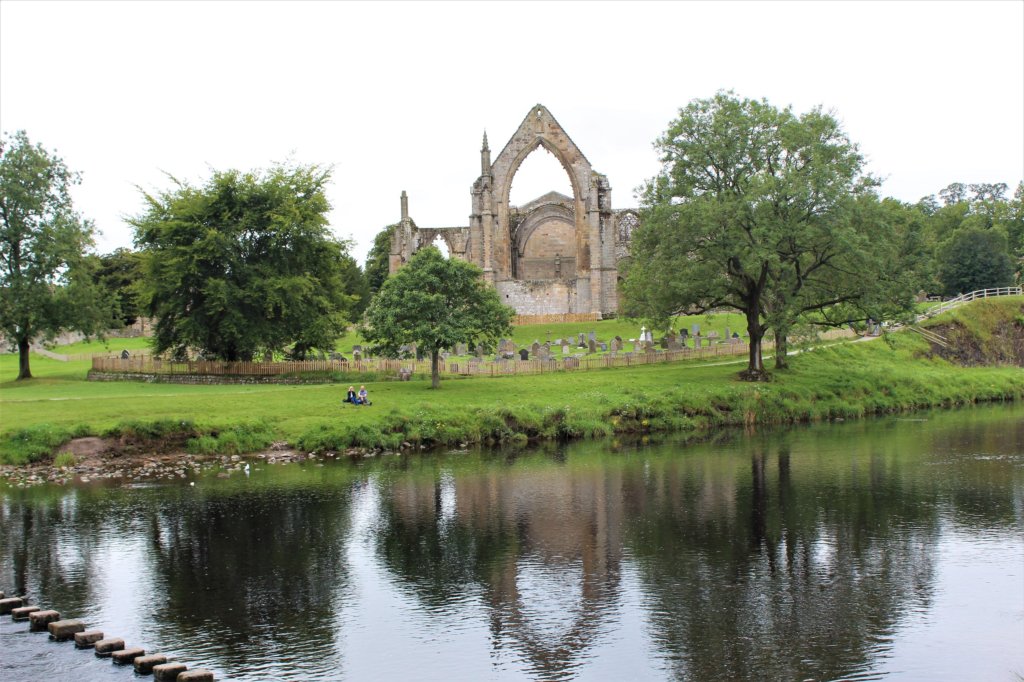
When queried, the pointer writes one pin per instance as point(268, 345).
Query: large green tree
point(975, 258)
point(119, 275)
point(245, 263)
point(435, 303)
point(45, 272)
point(378, 260)
point(759, 210)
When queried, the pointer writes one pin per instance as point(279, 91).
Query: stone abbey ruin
point(555, 255)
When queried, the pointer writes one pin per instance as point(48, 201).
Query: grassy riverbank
point(841, 381)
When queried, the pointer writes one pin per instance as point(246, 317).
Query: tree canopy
point(975, 258)
point(45, 275)
point(378, 260)
point(435, 303)
point(763, 211)
point(119, 275)
point(244, 264)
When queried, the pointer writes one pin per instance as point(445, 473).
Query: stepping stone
point(9, 604)
point(144, 664)
point(105, 647)
point(63, 630)
point(22, 612)
point(39, 620)
point(88, 639)
point(197, 675)
point(126, 656)
point(167, 671)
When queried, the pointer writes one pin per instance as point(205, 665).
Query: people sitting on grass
point(361, 398)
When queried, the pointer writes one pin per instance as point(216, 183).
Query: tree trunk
point(755, 366)
point(23, 371)
point(435, 372)
point(781, 350)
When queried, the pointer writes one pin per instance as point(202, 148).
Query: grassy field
point(846, 380)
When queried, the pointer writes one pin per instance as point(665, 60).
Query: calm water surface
point(887, 548)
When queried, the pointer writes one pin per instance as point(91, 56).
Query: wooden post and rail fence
point(148, 365)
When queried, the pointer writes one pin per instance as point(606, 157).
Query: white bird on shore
point(246, 469)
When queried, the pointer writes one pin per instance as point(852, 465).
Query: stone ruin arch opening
point(542, 225)
point(556, 253)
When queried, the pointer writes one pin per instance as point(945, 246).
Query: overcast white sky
point(396, 95)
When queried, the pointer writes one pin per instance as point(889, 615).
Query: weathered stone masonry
point(553, 255)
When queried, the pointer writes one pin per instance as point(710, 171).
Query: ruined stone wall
point(550, 252)
point(539, 298)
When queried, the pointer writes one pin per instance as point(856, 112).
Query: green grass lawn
point(840, 380)
point(110, 345)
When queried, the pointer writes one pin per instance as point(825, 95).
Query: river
point(889, 548)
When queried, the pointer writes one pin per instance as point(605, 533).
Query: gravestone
point(479, 351)
point(727, 334)
point(557, 342)
point(125, 354)
point(695, 330)
point(673, 343)
point(616, 344)
point(268, 356)
point(663, 342)
point(544, 352)
point(603, 346)
point(566, 350)
point(357, 355)
point(591, 346)
point(535, 347)
point(592, 336)
point(461, 349)
point(648, 346)
point(524, 354)
point(357, 347)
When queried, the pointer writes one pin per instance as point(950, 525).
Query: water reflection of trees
point(259, 570)
point(751, 575)
point(51, 541)
point(541, 544)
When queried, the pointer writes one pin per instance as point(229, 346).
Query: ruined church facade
point(554, 255)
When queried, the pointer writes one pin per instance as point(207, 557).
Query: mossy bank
point(900, 372)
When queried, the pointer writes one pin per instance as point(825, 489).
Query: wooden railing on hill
point(142, 364)
point(967, 298)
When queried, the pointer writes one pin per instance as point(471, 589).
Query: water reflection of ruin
point(544, 545)
point(756, 565)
